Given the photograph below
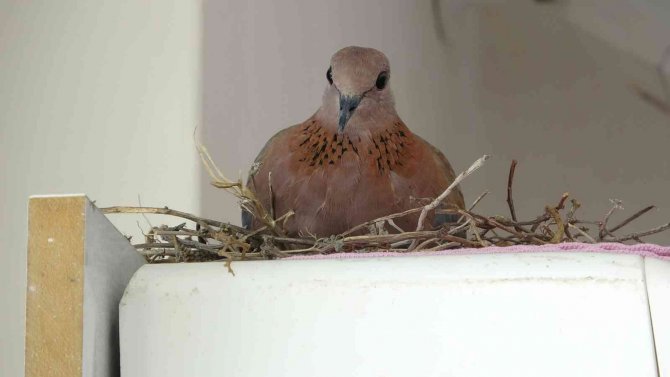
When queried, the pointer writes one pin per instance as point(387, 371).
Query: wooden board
point(78, 267)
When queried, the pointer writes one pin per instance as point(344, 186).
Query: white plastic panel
point(658, 286)
point(547, 314)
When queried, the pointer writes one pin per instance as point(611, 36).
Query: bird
point(354, 160)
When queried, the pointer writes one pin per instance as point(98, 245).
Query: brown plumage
point(354, 160)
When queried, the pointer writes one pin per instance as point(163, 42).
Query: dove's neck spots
point(385, 149)
point(320, 146)
point(389, 147)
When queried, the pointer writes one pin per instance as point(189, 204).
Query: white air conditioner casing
point(531, 314)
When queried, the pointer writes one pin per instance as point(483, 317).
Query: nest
point(211, 240)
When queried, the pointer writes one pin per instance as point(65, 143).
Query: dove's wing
point(269, 159)
point(423, 174)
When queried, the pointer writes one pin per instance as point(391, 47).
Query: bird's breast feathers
point(314, 147)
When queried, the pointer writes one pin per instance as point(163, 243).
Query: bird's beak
point(347, 106)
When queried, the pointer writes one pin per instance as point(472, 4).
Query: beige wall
point(544, 84)
point(100, 98)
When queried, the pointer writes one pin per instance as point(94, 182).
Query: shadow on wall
point(558, 99)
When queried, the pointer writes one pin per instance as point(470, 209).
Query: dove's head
point(358, 86)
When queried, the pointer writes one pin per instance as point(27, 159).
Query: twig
point(616, 204)
point(633, 236)
point(172, 212)
point(473, 229)
point(424, 212)
point(394, 225)
point(573, 208)
point(560, 228)
point(366, 224)
point(479, 199)
point(510, 180)
point(459, 228)
point(248, 199)
point(425, 243)
point(586, 235)
point(533, 238)
point(561, 202)
point(631, 218)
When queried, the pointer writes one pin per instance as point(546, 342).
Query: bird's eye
point(382, 79)
point(329, 75)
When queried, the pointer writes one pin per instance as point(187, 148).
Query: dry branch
point(432, 205)
point(510, 180)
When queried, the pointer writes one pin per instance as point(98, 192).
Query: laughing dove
point(353, 161)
